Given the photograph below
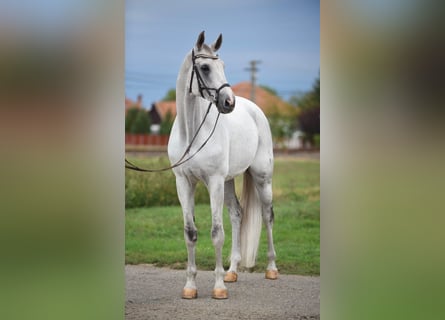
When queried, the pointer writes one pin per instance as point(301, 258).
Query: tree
point(167, 123)
point(269, 89)
point(281, 126)
point(141, 123)
point(130, 117)
point(170, 95)
point(310, 123)
point(310, 99)
point(309, 118)
point(293, 100)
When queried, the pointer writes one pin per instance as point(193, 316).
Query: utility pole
point(253, 69)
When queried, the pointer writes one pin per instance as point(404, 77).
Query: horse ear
point(200, 40)
point(217, 43)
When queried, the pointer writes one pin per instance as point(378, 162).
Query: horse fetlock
point(271, 255)
point(235, 258)
point(191, 272)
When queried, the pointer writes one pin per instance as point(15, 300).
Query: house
point(159, 111)
point(268, 102)
point(273, 107)
point(133, 104)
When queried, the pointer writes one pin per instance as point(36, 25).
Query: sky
point(283, 34)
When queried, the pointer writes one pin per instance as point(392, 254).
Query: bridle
point(202, 87)
point(201, 84)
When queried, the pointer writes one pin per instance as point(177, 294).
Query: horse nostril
point(228, 103)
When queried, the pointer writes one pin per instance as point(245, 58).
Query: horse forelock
point(206, 49)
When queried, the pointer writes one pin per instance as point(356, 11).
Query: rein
point(201, 87)
point(134, 167)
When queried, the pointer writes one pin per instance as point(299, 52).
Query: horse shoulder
point(254, 111)
point(174, 143)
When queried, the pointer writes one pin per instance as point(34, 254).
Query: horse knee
point(191, 233)
point(217, 234)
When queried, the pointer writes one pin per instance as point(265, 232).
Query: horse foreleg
point(235, 212)
point(186, 193)
point(216, 191)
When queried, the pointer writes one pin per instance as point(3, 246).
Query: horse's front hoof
point(272, 274)
point(230, 277)
point(188, 293)
point(220, 294)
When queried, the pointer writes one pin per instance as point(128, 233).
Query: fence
point(146, 139)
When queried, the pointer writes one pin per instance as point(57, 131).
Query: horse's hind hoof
point(272, 274)
point(188, 293)
point(220, 294)
point(230, 277)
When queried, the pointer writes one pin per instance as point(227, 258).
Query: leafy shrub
point(310, 124)
point(130, 117)
point(167, 123)
point(141, 123)
point(144, 189)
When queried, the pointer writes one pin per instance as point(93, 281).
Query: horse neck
point(190, 109)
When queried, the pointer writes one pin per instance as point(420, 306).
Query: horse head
point(208, 79)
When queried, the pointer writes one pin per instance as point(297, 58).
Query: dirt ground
point(155, 293)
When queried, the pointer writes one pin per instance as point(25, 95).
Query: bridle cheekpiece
point(201, 85)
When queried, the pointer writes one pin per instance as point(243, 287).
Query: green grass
point(155, 234)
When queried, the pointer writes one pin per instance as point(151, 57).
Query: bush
point(143, 189)
point(130, 117)
point(141, 123)
point(167, 123)
point(310, 124)
point(317, 141)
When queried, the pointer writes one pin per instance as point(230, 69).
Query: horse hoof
point(230, 277)
point(220, 294)
point(188, 293)
point(272, 274)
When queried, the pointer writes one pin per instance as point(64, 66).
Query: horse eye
point(205, 68)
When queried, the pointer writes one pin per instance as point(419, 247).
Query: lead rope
point(201, 86)
point(134, 167)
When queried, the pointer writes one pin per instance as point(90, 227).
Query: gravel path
point(155, 293)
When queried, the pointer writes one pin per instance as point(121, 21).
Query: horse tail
point(251, 222)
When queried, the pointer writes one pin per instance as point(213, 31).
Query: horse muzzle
point(226, 103)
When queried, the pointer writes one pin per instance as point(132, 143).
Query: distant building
point(268, 102)
point(133, 104)
point(158, 112)
point(271, 105)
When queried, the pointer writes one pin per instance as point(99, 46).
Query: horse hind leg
point(235, 212)
point(268, 218)
point(264, 187)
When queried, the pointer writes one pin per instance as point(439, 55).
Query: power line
point(149, 74)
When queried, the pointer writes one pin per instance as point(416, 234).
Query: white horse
point(241, 143)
